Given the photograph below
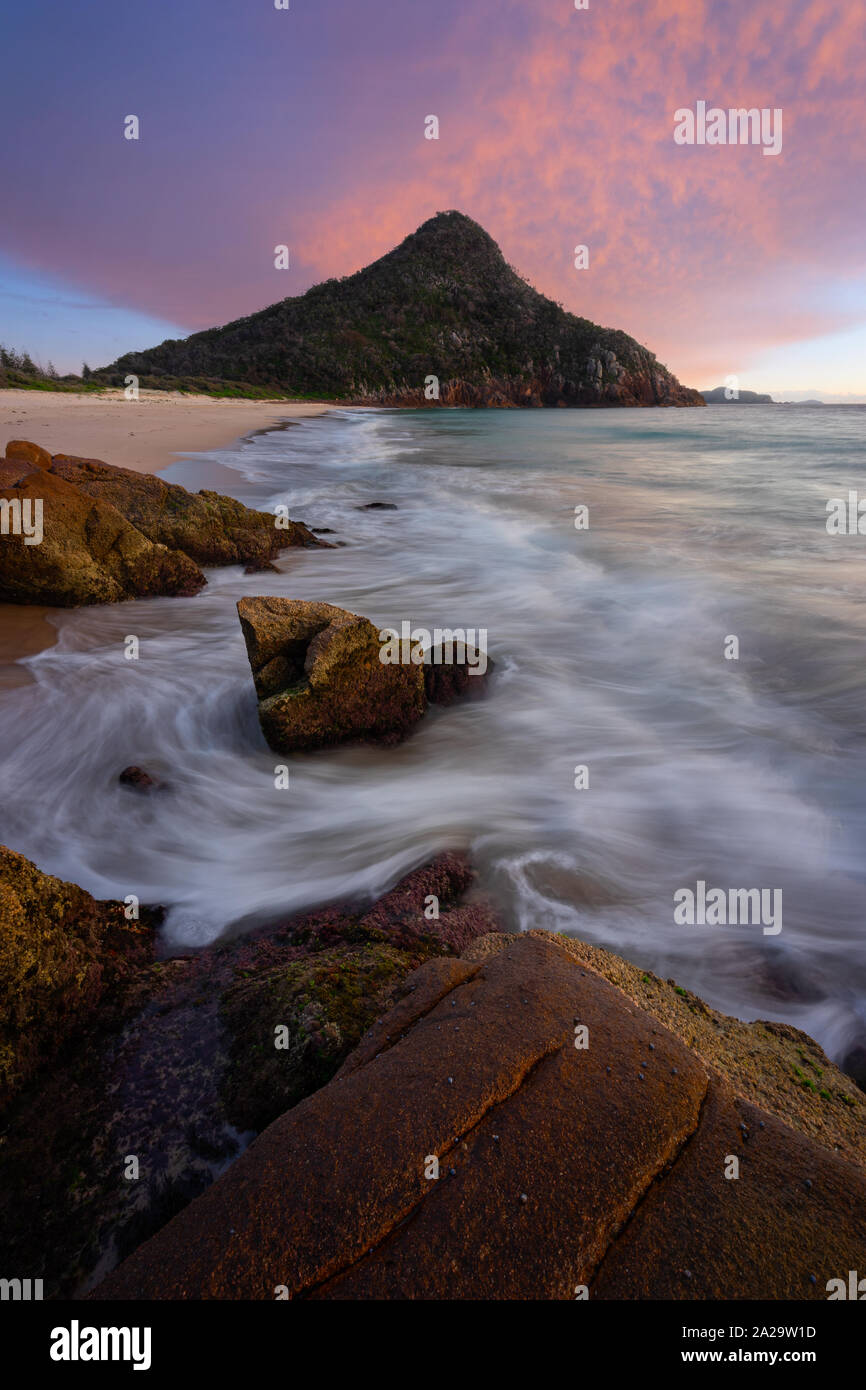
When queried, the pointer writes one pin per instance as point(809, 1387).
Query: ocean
point(738, 771)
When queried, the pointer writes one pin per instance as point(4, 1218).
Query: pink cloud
point(556, 128)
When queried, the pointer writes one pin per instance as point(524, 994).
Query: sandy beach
point(148, 435)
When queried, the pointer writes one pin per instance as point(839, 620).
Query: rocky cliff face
point(444, 304)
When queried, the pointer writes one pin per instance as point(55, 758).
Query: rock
point(753, 1237)
point(89, 552)
point(12, 471)
point(261, 567)
point(329, 996)
point(61, 955)
point(111, 533)
point(208, 527)
point(377, 507)
point(193, 1049)
point(325, 1002)
point(401, 915)
point(446, 682)
point(137, 778)
point(556, 1168)
point(320, 681)
point(774, 1065)
point(23, 450)
point(319, 678)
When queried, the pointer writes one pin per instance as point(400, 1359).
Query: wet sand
point(24, 630)
point(147, 435)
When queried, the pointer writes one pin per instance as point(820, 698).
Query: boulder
point(319, 679)
point(89, 552)
point(447, 682)
point(62, 954)
point(208, 527)
point(21, 450)
point(499, 1159)
point(111, 533)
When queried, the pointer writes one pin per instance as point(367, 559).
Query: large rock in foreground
point(320, 679)
point(173, 1065)
point(562, 1170)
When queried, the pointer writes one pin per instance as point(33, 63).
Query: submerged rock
point(320, 679)
point(138, 779)
point(448, 681)
point(261, 567)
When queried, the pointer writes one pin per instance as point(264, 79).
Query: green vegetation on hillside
point(444, 303)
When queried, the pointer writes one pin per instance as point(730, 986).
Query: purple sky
point(306, 127)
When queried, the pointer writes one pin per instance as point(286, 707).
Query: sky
point(305, 127)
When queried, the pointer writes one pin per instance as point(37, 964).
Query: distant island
point(718, 397)
point(440, 320)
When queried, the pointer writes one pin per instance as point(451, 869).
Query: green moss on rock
point(326, 1003)
point(61, 954)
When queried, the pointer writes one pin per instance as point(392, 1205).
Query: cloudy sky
point(305, 126)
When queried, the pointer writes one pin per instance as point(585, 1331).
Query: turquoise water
point(609, 645)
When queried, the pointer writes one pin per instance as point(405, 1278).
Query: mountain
point(443, 304)
point(717, 397)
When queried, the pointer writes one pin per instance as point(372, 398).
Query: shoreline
point(148, 435)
